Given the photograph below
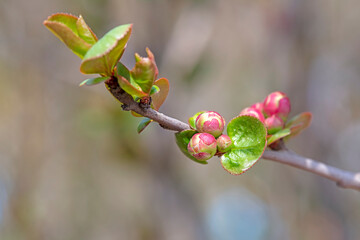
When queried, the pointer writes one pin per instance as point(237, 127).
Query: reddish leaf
point(64, 27)
point(145, 71)
point(159, 97)
point(298, 123)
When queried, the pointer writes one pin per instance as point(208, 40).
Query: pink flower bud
point(259, 106)
point(223, 143)
point(252, 112)
point(277, 103)
point(202, 146)
point(274, 124)
point(210, 122)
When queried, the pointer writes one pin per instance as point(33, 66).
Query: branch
point(129, 104)
point(343, 178)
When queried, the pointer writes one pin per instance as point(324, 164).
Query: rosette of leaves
point(248, 135)
point(142, 84)
point(292, 128)
point(102, 57)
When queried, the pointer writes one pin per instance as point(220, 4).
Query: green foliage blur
point(72, 165)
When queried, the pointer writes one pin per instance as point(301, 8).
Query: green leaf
point(182, 140)
point(192, 119)
point(85, 32)
point(136, 114)
point(129, 88)
point(143, 124)
point(249, 141)
point(92, 81)
point(159, 97)
point(154, 89)
point(64, 26)
point(122, 70)
point(298, 123)
point(278, 135)
point(105, 53)
point(145, 71)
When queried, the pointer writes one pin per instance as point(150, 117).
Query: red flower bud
point(259, 106)
point(252, 112)
point(210, 122)
point(202, 146)
point(277, 103)
point(274, 124)
point(223, 143)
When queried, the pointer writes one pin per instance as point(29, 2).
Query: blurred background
point(73, 167)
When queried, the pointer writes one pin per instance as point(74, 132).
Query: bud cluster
point(273, 111)
point(209, 139)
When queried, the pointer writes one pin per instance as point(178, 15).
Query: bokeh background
point(73, 167)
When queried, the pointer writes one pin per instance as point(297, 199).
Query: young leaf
point(129, 88)
point(298, 123)
point(145, 71)
point(154, 89)
point(64, 26)
point(159, 97)
point(85, 32)
point(135, 114)
point(122, 70)
point(249, 141)
point(143, 124)
point(192, 119)
point(278, 135)
point(182, 140)
point(105, 53)
point(92, 81)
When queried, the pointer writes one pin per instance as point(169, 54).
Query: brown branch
point(343, 178)
point(129, 104)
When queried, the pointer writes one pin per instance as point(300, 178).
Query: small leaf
point(105, 53)
point(136, 114)
point(143, 124)
point(278, 135)
point(122, 70)
point(145, 71)
point(130, 89)
point(249, 141)
point(92, 81)
point(85, 32)
point(154, 89)
point(64, 27)
point(192, 119)
point(182, 140)
point(298, 123)
point(159, 97)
